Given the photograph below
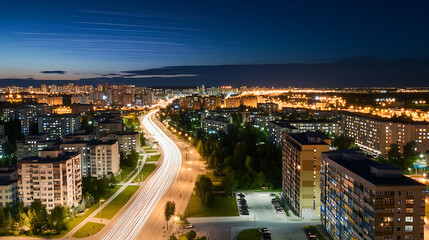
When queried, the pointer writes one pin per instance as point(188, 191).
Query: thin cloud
point(53, 72)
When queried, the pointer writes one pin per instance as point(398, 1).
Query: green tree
point(113, 180)
point(142, 140)
point(170, 209)
point(204, 190)
point(57, 217)
point(2, 216)
point(409, 154)
point(342, 142)
point(394, 156)
point(172, 237)
point(38, 217)
point(229, 183)
point(260, 179)
point(191, 235)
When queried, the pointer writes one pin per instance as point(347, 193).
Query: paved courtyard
point(261, 214)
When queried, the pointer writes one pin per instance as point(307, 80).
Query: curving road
point(137, 214)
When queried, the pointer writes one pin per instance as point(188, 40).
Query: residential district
point(125, 162)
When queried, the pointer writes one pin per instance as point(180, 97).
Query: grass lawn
point(78, 219)
point(117, 203)
point(88, 229)
point(213, 177)
point(222, 206)
point(249, 234)
point(146, 171)
point(126, 171)
point(153, 158)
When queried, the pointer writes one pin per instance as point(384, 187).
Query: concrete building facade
point(301, 158)
point(362, 199)
point(54, 178)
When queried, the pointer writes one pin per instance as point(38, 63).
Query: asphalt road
point(180, 192)
point(139, 211)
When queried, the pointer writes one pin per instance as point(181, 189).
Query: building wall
point(8, 194)
point(376, 136)
point(353, 208)
point(104, 158)
point(301, 175)
point(53, 183)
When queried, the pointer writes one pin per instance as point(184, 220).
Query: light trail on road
point(134, 218)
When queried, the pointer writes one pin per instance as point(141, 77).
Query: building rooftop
point(378, 174)
point(383, 119)
point(309, 138)
point(4, 181)
point(282, 123)
point(124, 133)
point(63, 157)
point(104, 142)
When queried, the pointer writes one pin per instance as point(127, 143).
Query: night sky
point(55, 40)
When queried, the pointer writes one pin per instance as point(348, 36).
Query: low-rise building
point(362, 199)
point(54, 178)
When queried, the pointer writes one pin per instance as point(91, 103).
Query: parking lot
point(261, 214)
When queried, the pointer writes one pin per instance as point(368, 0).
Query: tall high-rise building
point(362, 199)
point(301, 157)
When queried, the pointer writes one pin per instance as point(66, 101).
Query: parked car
point(244, 212)
point(262, 229)
point(189, 226)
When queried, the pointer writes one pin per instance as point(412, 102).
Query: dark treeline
point(240, 156)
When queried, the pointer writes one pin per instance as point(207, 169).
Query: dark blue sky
point(93, 38)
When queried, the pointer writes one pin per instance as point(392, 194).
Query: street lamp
point(101, 214)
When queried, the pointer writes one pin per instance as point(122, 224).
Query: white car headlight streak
point(134, 218)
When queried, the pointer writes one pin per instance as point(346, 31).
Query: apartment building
point(108, 126)
point(54, 178)
point(213, 126)
point(276, 129)
point(127, 141)
point(8, 186)
point(213, 102)
point(81, 147)
point(328, 127)
point(362, 199)
point(32, 145)
point(301, 158)
point(375, 135)
point(104, 157)
point(58, 126)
